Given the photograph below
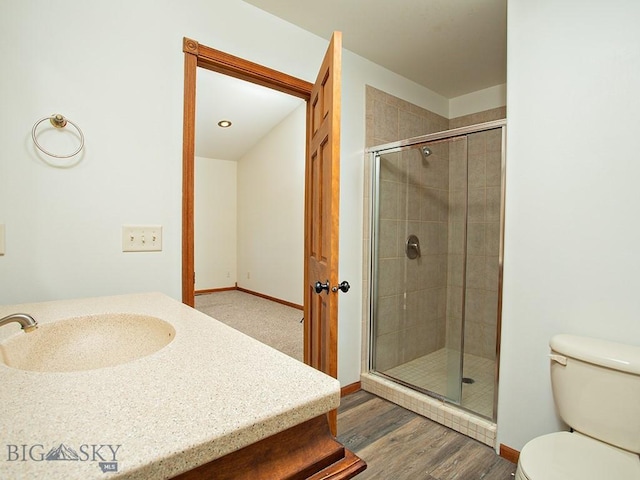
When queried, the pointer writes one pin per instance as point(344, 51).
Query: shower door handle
point(322, 286)
point(344, 287)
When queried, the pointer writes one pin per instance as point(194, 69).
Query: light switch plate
point(141, 238)
point(2, 243)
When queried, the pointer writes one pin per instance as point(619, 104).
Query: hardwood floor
point(401, 445)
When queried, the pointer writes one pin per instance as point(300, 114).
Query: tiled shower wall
point(427, 314)
point(411, 296)
point(475, 177)
point(457, 232)
point(412, 292)
point(483, 233)
point(483, 243)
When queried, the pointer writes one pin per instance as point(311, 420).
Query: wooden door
point(322, 203)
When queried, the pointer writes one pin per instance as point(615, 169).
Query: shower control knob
point(344, 286)
point(322, 286)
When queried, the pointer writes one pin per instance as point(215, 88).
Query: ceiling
point(253, 109)
point(451, 47)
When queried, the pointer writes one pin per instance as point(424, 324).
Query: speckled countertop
point(211, 391)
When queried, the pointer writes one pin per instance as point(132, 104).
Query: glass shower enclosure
point(436, 264)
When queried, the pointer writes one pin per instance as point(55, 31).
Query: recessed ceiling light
point(224, 123)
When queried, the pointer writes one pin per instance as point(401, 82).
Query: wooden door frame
point(197, 55)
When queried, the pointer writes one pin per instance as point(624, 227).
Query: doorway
point(197, 55)
point(249, 208)
point(322, 186)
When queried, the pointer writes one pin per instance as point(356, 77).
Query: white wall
point(479, 101)
point(572, 232)
point(63, 226)
point(118, 73)
point(271, 211)
point(215, 224)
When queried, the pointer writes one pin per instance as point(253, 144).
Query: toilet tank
point(596, 388)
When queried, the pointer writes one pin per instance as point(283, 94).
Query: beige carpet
point(269, 322)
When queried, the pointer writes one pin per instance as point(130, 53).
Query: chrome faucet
point(27, 322)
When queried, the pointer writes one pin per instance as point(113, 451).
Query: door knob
point(344, 286)
point(322, 286)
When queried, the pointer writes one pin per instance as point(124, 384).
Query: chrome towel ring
point(58, 121)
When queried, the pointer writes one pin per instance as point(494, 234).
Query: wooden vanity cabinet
point(306, 451)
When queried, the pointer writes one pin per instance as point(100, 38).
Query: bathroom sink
point(86, 343)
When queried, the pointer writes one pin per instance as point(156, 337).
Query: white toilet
point(596, 388)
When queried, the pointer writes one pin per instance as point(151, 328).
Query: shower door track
point(425, 391)
point(430, 137)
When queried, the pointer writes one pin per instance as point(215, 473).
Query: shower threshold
point(449, 415)
point(429, 374)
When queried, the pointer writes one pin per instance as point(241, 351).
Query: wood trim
point(273, 299)
point(190, 46)
point(307, 347)
point(336, 100)
point(188, 169)
point(348, 467)
point(228, 64)
point(306, 451)
point(349, 389)
point(215, 290)
point(509, 453)
point(250, 292)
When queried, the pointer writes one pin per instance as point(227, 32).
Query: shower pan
point(436, 265)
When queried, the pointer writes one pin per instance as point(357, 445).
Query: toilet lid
point(569, 456)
